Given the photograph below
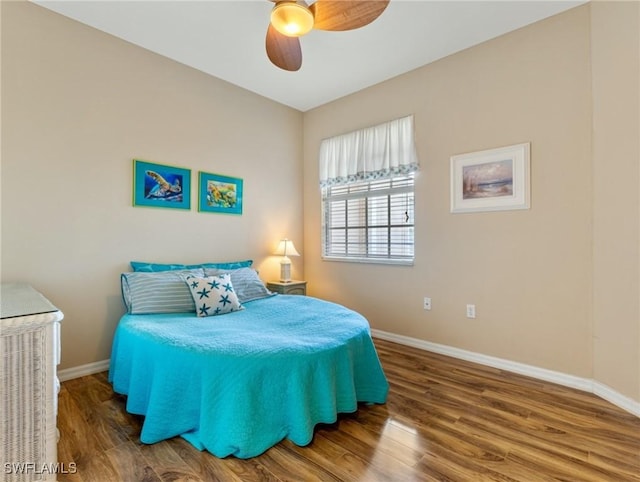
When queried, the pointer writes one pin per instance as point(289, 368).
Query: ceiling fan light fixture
point(291, 19)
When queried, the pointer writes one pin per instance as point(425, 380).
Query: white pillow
point(213, 295)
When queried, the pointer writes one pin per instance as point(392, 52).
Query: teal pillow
point(154, 267)
point(230, 265)
point(143, 267)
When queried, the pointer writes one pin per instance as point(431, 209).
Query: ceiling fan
point(291, 19)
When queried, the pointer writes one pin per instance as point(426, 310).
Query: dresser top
point(20, 299)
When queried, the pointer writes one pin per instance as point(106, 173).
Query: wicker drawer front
point(29, 353)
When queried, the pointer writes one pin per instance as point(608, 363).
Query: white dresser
point(29, 386)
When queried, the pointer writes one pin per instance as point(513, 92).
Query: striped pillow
point(162, 292)
point(246, 282)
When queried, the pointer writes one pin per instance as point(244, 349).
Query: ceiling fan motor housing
point(291, 18)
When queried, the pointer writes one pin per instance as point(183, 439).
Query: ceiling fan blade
point(346, 14)
point(283, 51)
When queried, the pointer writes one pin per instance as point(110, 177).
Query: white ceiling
point(226, 39)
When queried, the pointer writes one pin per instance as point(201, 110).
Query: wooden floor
point(445, 420)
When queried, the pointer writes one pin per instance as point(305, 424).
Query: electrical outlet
point(427, 303)
point(471, 311)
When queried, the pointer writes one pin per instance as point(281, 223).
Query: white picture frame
point(491, 180)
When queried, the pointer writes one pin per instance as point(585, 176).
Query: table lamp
point(286, 249)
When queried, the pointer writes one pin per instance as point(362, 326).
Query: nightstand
point(293, 287)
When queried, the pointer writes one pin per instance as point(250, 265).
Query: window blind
point(370, 220)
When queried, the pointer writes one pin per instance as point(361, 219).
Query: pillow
point(163, 292)
point(228, 265)
point(246, 282)
point(213, 295)
point(155, 268)
point(139, 266)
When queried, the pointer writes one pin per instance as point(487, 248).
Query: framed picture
point(491, 180)
point(161, 186)
point(220, 194)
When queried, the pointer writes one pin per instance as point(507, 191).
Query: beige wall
point(77, 106)
point(528, 272)
point(615, 46)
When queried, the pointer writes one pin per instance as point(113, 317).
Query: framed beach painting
point(161, 186)
point(491, 180)
point(220, 194)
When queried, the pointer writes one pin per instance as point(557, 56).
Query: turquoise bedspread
point(239, 383)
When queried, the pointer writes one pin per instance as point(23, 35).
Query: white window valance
point(377, 152)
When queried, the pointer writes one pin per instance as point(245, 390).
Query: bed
point(239, 383)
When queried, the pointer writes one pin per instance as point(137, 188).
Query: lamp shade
point(291, 19)
point(286, 248)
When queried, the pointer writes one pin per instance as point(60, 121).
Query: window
point(370, 220)
point(367, 186)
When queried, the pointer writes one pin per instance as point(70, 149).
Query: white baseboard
point(564, 379)
point(83, 370)
point(609, 394)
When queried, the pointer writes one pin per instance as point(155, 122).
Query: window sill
point(396, 262)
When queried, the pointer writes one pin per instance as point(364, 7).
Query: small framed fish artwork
point(158, 185)
point(219, 194)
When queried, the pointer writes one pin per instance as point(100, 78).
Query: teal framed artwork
point(161, 186)
point(219, 194)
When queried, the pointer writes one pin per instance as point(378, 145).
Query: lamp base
point(285, 271)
